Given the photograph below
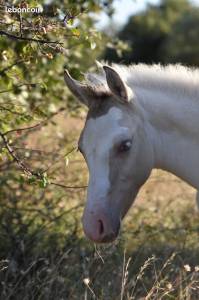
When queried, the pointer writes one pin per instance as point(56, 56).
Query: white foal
point(139, 118)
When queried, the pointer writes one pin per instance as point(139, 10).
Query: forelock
point(98, 85)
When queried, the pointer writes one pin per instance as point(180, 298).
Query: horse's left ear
point(117, 86)
point(84, 92)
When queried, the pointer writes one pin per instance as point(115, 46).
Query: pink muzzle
point(99, 227)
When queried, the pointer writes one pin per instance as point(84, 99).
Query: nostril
point(101, 227)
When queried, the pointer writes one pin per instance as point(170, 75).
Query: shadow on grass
point(140, 265)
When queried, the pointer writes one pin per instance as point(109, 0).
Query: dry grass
point(44, 254)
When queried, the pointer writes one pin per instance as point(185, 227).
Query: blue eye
point(125, 146)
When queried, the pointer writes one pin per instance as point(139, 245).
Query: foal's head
point(115, 145)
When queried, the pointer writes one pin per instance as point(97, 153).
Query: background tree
point(166, 32)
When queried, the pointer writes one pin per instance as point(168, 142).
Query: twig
point(19, 86)
point(12, 65)
point(22, 129)
point(67, 186)
point(63, 156)
point(25, 168)
point(11, 111)
point(41, 41)
point(39, 151)
point(36, 125)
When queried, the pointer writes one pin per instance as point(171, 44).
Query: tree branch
point(68, 187)
point(36, 125)
point(19, 86)
point(27, 170)
point(15, 37)
point(12, 65)
point(11, 111)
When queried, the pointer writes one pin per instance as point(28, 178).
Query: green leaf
point(93, 45)
point(75, 32)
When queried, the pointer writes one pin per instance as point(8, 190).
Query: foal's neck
point(173, 123)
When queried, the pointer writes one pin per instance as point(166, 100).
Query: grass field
point(44, 254)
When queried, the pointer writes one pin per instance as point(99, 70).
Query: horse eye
point(125, 146)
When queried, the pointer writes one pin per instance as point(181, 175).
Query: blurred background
point(43, 178)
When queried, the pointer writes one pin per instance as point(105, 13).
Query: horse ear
point(79, 90)
point(116, 84)
point(84, 92)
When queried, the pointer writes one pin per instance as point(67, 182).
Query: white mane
point(170, 78)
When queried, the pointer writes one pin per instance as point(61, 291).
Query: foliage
point(36, 48)
point(165, 33)
point(33, 70)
